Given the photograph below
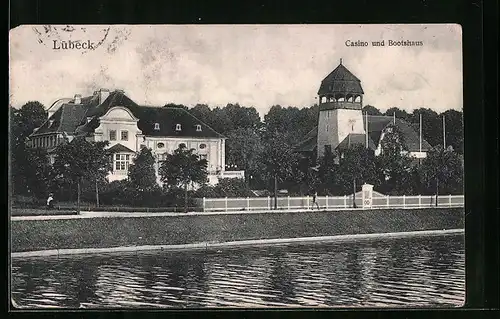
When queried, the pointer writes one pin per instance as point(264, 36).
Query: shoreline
point(111, 214)
point(235, 244)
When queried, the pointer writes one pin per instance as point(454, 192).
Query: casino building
point(342, 124)
point(127, 126)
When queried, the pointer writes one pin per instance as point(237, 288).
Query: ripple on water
point(408, 272)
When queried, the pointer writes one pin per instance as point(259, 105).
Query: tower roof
point(340, 80)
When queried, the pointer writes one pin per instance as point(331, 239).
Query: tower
point(340, 108)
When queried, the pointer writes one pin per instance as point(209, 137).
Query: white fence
point(329, 202)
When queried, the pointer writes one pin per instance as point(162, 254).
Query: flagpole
point(444, 133)
point(420, 141)
point(366, 133)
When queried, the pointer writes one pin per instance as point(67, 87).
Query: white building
point(112, 116)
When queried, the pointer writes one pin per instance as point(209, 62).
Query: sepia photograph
point(236, 166)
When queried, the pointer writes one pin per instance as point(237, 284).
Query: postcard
point(236, 166)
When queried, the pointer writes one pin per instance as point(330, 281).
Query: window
point(160, 145)
point(182, 145)
point(124, 135)
point(112, 135)
point(121, 162)
point(202, 146)
point(178, 127)
point(157, 126)
point(198, 128)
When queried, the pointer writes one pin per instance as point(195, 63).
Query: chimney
point(78, 98)
point(103, 95)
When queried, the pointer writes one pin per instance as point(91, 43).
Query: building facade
point(342, 124)
point(128, 127)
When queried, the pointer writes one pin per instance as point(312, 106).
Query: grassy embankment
point(32, 235)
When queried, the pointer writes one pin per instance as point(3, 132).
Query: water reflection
point(388, 273)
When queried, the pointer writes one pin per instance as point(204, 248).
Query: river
point(405, 272)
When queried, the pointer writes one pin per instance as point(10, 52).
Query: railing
point(233, 174)
point(329, 202)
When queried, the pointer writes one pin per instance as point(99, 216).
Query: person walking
point(315, 202)
point(50, 201)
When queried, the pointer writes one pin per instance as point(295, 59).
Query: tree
point(400, 114)
point(141, 173)
point(279, 161)
point(37, 172)
point(454, 129)
point(443, 170)
point(371, 110)
point(182, 168)
point(357, 165)
point(22, 122)
point(328, 173)
point(394, 162)
point(81, 159)
point(432, 125)
point(243, 150)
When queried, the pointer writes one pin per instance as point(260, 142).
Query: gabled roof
point(120, 148)
point(340, 80)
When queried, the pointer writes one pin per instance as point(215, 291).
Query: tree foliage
point(442, 170)
point(182, 168)
point(141, 173)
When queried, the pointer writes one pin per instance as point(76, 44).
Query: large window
point(112, 135)
point(121, 162)
point(124, 135)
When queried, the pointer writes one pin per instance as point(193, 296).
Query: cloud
point(255, 65)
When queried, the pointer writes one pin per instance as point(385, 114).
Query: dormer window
point(157, 126)
point(198, 128)
point(178, 127)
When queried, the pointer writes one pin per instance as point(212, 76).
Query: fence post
point(419, 201)
point(225, 204)
point(449, 200)
point(203, 203)
point(404, 201)
point(326, 201)
point(345, 201)
point(268, 203)
point(307, 202)
point(288, 202)
point(387, 200)
point(248, 203)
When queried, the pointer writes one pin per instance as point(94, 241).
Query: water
point(412, 272)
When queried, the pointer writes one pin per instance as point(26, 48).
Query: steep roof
point(376, 124)
point(65, 119)
point(340, 80)
point(353, 139)
point(72, 118)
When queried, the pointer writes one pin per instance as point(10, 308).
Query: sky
point(253, 65)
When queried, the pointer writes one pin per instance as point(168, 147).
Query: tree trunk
point(78, 195)
point(437, 190)
point(354, 193)
point(275, 192)
point(186, 198)
point(96, 193)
